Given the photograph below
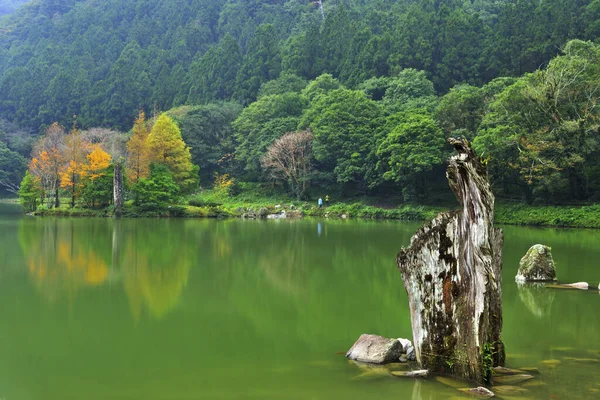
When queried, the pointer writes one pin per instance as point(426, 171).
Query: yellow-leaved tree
point(167, 147)
point(138, 160)
point(98, 162)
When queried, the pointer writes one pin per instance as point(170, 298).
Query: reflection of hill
point(65, 256)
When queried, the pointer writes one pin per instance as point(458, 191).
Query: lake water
point(206, 309)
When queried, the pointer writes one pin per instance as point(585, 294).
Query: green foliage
point(410, 89)
point(98, 192)
point(413, 148)
point(344, 123)
point(262, 122)
point(565, 216)
point(208, 131)
point(12, 169)
point(487, 362)
point(285, 83)
point(29, 193)
point(103, 60)
point(542, 130)
point(320, 86)
point(461, 110)
point(158, 190)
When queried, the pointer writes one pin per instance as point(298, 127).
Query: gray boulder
point(375, 349)
point(406, 344)
point(536, 265)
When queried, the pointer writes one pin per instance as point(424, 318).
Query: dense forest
point(9, 6)
point(373, 87)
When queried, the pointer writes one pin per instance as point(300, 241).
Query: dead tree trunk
point(452, 273)
point(118, 188)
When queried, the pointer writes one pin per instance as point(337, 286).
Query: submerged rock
point(551, 363)
point(453, 383)
point(478, 392)
point(420, 373)
point(511, 379)
point(375, 349)
point(507, 371)
point(508, 390)
point(536, 265)
point(530, 370)
point(370, 371)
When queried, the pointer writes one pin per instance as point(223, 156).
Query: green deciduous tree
point(29, 192)
point(262, 122)
point(158, 190)
point(344, 123)
point(12, 168)
point(411, 150)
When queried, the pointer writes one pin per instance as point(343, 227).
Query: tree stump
point(452, 273)
point(118, 188)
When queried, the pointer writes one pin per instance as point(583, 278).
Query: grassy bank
point(561, 216)
point(209, 204)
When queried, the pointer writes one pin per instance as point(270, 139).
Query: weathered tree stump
point(452, 273)
point(118, 187)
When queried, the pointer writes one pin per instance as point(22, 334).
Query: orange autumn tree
point(47, 161)
point(138, 160)
point(98, 180)
point(75, 151)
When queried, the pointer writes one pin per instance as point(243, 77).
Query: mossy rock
point(537, 265)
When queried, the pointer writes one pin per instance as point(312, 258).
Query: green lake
point(232, 309)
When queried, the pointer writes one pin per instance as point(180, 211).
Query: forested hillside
point(102, 60)
point(9, 6)
point(371, 87)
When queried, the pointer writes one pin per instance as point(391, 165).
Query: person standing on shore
point(326, 200)
point(320, 202)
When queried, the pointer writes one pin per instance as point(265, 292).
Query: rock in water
point(452, 273)
point(421, 373)
point(511, 379)
point(375, 349)
point(536, 265)
point(478, 392)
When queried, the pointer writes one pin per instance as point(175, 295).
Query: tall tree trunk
point(118, 188)
point(56, 198)
point(452, 273)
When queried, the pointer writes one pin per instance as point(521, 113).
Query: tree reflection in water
point(65, 256)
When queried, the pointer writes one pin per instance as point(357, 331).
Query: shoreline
point(507, 214)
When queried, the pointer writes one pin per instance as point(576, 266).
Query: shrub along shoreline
point(587, 216)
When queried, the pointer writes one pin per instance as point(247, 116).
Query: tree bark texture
point(118, 188)
point(452, 273)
